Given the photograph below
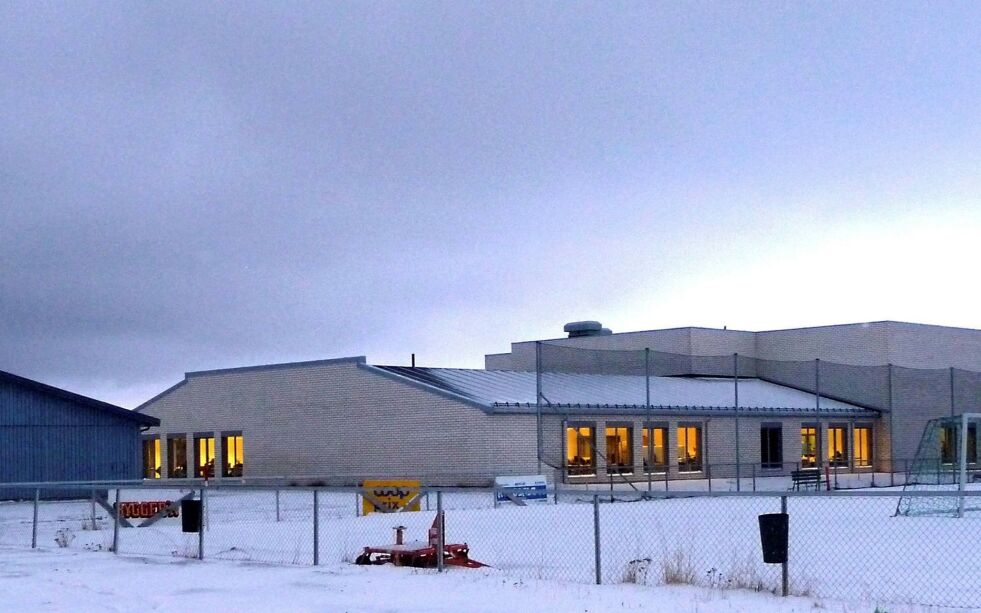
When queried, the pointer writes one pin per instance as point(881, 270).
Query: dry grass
point(678, 569)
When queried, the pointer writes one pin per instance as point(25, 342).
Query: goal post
point(946, 460)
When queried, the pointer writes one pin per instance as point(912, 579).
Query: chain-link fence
point(842, 545)
point(609, 413)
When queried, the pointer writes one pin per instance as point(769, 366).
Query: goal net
point(946, 461)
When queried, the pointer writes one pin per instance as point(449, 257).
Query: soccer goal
point(946, 460)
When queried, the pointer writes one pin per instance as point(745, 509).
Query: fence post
point(596, 539)
point(785, 582)
point(115, 524)
point(92, 510)
point(200, 528)
point(277, 505)
point(316, 528)
point(37, 497)
point(753, 470)
point(708, 473)
point(440, 537)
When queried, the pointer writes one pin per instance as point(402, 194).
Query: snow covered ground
point(63, 581)
point(846, 552)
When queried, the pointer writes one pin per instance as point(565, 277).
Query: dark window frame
point(815, 462)
point(208, 470)
point(587, 469)
point(696, 464)
point(238, 470)
point(648, 429)
point(861, 463)
point(842, 460)
point(156, 453)
point(174, 469)
point(767, 461)
point(620, 468)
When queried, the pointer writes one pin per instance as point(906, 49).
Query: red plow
point(419, 554)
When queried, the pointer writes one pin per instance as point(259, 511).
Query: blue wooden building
point(50, 434)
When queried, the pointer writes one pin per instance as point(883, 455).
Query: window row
point(203, 461)
point(837, 451)
point(581, 452)
point(581, 445)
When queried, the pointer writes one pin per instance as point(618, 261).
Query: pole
point(440, 527)
point(817, 407)
point(596, 540)
point(735, 382)
point(963, 461)
point(37, 498)
point(201, 528)
point(538, 401)
point(92, 510)
point(316, 528)
point(892, 457)
point(785, 582)
point(649, 426)
point(115, 525)
point(277, 505)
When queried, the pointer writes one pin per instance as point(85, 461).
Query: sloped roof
point(512, 390)
point(91, 403)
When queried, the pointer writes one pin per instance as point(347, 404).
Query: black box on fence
point(774, 530)
point(191, 515)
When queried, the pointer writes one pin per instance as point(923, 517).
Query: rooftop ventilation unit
point(586, 328)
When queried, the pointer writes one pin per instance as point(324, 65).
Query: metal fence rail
point(846, 545)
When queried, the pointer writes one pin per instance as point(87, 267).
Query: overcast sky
point(193, 186)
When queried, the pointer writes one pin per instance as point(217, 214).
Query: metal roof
point(514, 391)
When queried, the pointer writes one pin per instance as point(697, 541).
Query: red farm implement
point(420, 554)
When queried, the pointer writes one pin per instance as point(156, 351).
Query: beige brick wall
point(340, 419)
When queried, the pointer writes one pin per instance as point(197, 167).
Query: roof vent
point(586, 328)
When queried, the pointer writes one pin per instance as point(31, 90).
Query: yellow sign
point(390, 495)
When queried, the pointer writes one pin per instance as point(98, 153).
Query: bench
point(806, 479)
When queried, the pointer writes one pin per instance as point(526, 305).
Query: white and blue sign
point(521, 490)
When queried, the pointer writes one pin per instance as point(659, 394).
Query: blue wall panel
point(44, 438)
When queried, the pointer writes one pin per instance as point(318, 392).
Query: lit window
point(619, 451)
point(689, 448)
point(771, 446)
point(580, 458)
point(177, 457)
point(655, 453)
point(808, 447)
point(863, 446)
point(234, 455)
point(204, 456)
point(151, 458)
point(838, 446)
point(972, 444)
point(947, 435)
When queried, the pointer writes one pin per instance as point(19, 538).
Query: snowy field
point(846, 552)
point(73, 581)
